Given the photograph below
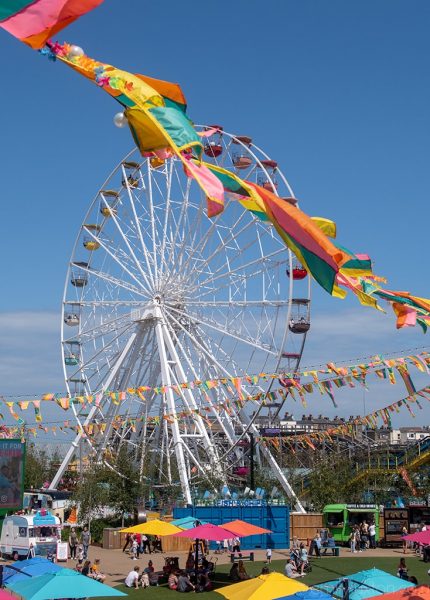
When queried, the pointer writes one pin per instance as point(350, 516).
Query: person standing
point(372, 535)
point(404, 541)
point(86, 540)
point(236, 544)
point(269, 555)
point(73, 543)
point(351, 540)
point(127, 541)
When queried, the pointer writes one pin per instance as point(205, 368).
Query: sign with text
point(12, 454)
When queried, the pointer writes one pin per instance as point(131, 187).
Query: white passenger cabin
point(25, 535)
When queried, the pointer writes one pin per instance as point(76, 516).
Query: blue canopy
point(65, 583)
point(25, 569)
point(307, 595)
point(365, 584)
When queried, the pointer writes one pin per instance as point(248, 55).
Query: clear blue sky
point(338, 92)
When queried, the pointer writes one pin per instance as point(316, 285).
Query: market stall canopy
point(155, 527)
point(25, 569)
point(59, 584)
point(242, 528)
point(365, 584)
point(263, 587)
point(421, 592)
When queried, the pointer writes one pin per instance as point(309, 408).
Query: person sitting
point(150, 572)
point(290, 570)
point(132, 579)
point(413, 579)
point(95, 571)
point(207, 566)
point(265, 571)
point(243, 575)
point(203, 583)
point(190, 563)
point(184, 583)
point(172, 582)
point(331, 544)
point(86, 568)
point(234, 573)
point(402, 569)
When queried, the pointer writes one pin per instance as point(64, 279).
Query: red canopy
point(421, 592)
point(242, 528)
point(207, 532)
point(421, 537)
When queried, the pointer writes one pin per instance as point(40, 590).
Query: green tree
point(36, 467)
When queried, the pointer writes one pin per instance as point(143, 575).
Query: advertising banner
point(12, 453)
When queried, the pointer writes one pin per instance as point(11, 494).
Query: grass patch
point(324, 569)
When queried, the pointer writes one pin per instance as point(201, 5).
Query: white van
point(34, 534)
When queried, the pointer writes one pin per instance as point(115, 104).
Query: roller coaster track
point(411, 459)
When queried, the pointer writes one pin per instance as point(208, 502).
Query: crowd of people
point(362, 537)
point(137, 544)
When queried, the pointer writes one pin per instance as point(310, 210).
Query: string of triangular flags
point(292, 383)
point(349, 428)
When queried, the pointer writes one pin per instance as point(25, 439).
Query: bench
point(240, 556)
point(335, 550)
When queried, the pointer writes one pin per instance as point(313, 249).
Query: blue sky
point(338, 92)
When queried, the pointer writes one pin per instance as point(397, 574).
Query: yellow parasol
point(263, 587)
point(155, 527)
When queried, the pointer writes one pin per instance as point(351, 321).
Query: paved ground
point(116, 564)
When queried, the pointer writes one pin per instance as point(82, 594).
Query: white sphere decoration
point(120, 120)
point(75, 52)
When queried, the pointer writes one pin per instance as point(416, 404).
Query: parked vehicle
point(27, 535)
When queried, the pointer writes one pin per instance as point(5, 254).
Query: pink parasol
point(4, 595)
point(214, 533)
point(421, 537)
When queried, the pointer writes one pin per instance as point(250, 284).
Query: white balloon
point(120, 120)
point(75, 52)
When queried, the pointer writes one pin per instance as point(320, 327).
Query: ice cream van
point(24, 536)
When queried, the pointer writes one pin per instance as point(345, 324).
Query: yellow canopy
point(263, 587)
point(155, 527)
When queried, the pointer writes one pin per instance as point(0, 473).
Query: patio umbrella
point(421, 537)
point(60, 584)
point(263, 587)
point(25, 569)
point(4, 595)
point(187, 522)
point(420, 592)
point(365, 584)
point(243, 529)
point(155, 527)
point(309, 595)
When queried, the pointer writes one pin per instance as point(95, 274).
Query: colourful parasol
point(155, 527)
point(263, 587)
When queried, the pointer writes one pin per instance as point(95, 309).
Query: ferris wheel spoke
point(118, 261)
point(114, 280)
point(214, 325)
point(148, 280)
point(261, 260)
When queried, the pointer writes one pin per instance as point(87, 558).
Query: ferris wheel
point(157, 294)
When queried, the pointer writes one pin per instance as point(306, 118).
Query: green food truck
point(340, 519)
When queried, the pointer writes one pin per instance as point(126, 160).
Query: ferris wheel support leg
point(188, 395)
point(166, 380)
point(74, 445)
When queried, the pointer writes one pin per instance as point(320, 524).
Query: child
point(269, 555)
point(95, 571)
point(80, 555)
point(134, 548)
